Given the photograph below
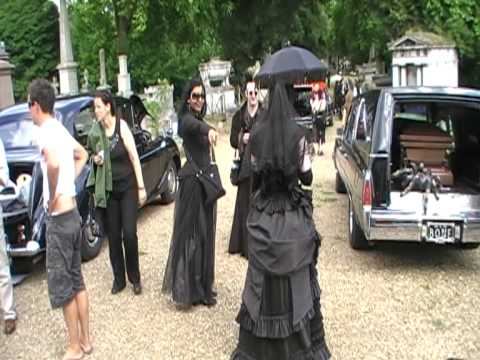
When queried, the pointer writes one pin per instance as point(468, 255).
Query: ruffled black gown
point(189, 273)
point(280, 316)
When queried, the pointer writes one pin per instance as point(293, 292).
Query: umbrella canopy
point(291, 64)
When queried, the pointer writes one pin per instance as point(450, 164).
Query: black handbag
point(209, 178)
point(235, 169)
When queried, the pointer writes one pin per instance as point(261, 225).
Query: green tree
point(163, 39)
point(30, 31)
point(386, 20)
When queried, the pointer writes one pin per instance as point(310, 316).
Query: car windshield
point(18, 131)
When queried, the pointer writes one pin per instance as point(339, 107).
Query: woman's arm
point(129, 142)
point(191, 125)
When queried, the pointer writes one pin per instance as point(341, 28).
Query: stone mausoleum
point(220, 95)
point(424, 59)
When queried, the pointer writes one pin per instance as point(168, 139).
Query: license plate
point(441, 233)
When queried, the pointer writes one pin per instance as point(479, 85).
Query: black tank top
point(122, 169)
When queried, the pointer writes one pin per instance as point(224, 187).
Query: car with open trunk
point(409, 161)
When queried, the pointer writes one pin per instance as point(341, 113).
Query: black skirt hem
point(319, 352)
point(273, 327)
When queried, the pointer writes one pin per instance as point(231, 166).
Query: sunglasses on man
point(253, 93)
point(30, 103)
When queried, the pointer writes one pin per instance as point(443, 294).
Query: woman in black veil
point(189, 273)
point(280, 315)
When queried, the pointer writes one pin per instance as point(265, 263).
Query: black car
point(23, 213)
point(408, 160)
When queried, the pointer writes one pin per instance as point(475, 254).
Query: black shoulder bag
point(209, 178)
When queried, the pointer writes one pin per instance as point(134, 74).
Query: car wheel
point(168, 196)
point(92, 238)
point(339, 185)
point(356, 236)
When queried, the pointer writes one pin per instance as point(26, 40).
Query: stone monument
point(220, 95)
point(103, 71)
point(422, 58)
point(6, 70)
point(85, 83)
point(67, 69)
point(123, 77)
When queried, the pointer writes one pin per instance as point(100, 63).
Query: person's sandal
point(86, 351)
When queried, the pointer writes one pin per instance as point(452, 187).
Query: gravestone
point(6, 70)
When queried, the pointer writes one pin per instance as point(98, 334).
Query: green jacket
point(100, 175)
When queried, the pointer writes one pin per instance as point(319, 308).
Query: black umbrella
point(291, 64)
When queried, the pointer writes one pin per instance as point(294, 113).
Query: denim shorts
point(64, 273)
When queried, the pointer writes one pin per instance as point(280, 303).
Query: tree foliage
point(163, 39)
point(386, 20)
point(30, 31)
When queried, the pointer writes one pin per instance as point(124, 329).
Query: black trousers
point(122, 235)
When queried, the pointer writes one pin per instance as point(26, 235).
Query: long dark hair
point(185, 106)
point(187, 91)
point(107, 98)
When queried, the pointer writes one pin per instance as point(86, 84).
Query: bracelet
point(141, 188)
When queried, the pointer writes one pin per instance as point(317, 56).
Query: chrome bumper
point(23, 251)
point(406, 218)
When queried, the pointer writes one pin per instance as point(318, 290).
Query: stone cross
point(56, 85)
point(85, 85)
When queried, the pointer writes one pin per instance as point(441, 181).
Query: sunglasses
point(251, 93)
point(197, 96)
point(30, 104)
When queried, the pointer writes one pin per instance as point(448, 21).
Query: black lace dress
point(189, 273)
point(280, 316)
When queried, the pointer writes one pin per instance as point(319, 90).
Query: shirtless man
point(62, 160)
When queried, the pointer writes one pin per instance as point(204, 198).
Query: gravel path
point(395, 302)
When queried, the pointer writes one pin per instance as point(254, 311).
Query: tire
point(339, 185)
point(356, 236)
point(168, 196)
point(92, 238)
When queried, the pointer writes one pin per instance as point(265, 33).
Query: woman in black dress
point(280, 316)
point(189, 273)
point(242, 125)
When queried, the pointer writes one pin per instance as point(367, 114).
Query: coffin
point(427, 144)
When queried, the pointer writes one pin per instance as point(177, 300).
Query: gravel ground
point(395, 302)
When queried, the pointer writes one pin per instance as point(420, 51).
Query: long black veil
point(275, 139)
